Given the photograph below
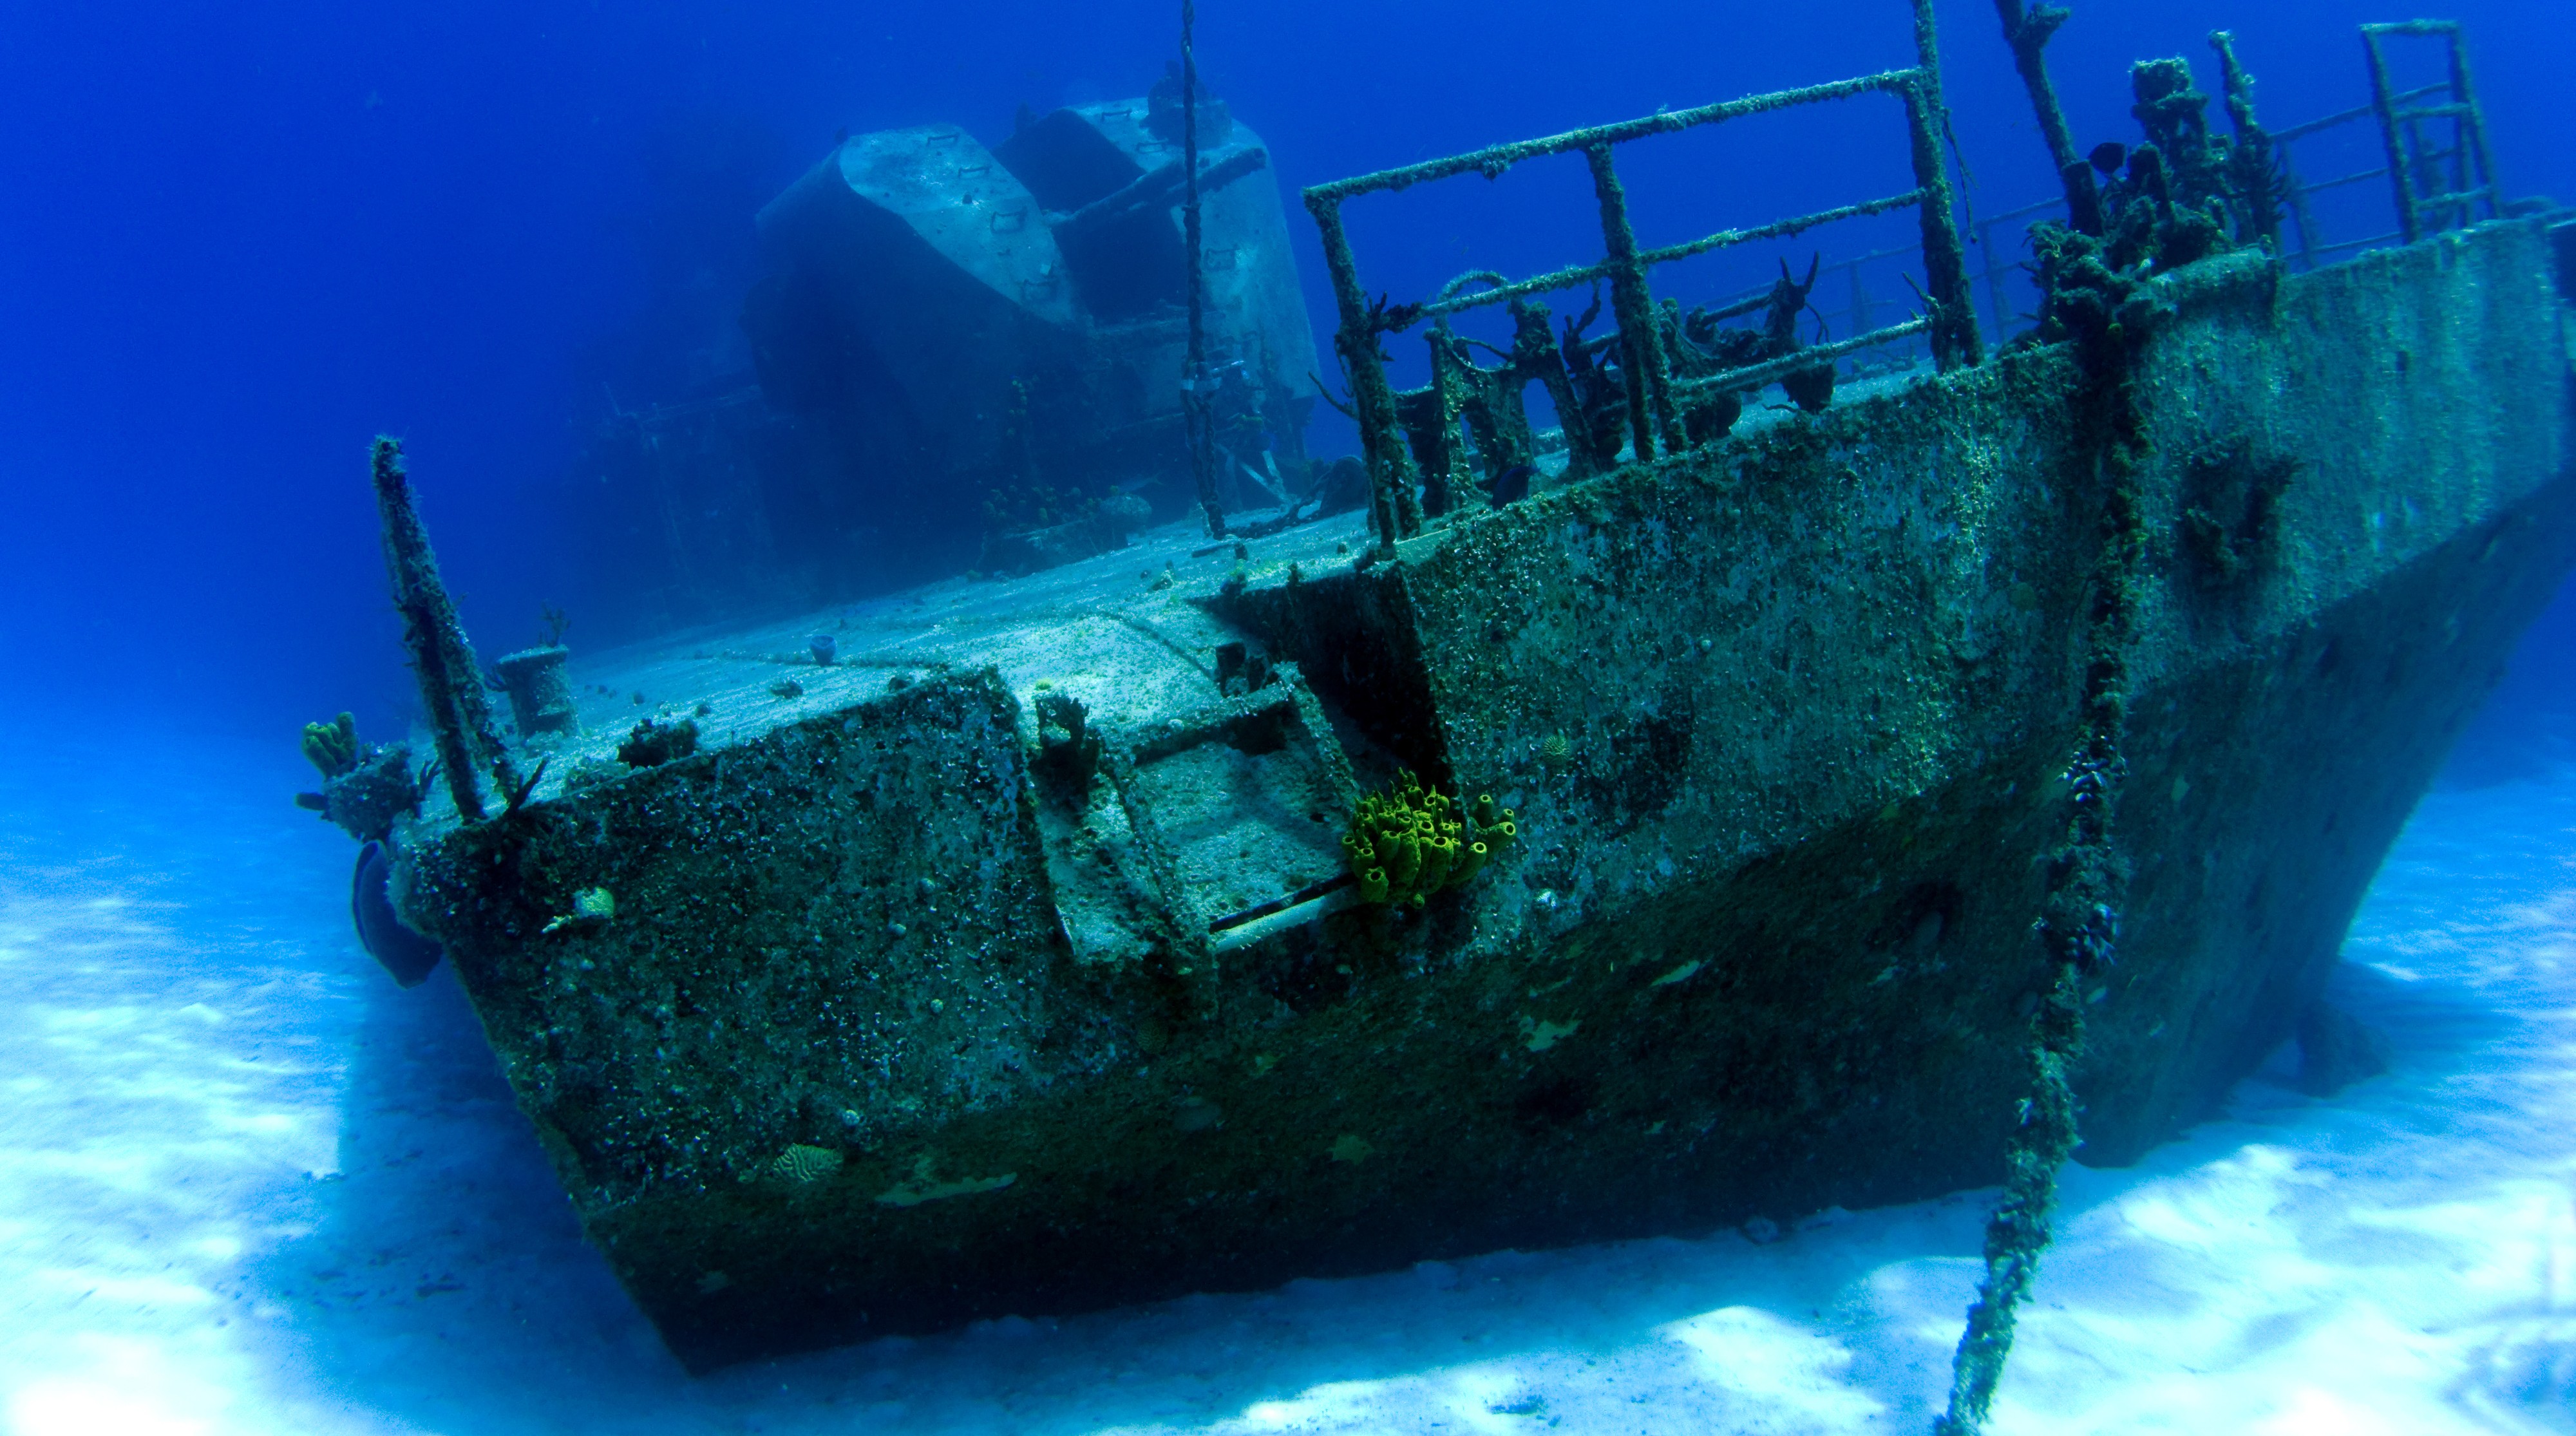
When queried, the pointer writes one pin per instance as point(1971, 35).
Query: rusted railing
point(2436, 189)
point(2433, 188)
point(2441, 189)
point(1652, 392)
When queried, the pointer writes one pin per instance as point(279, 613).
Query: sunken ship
point(1708, 811)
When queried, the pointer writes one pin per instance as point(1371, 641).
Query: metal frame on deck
point(2436, 189)
point(2433, 189)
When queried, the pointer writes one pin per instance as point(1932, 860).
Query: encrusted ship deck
point(910, 1013)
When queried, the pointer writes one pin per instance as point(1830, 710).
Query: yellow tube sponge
point(1412, 840)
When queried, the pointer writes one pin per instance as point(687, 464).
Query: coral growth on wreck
point(652, 744)
point(365, 786)
point(332, 747)
point(2181, 195)
point(803, 1163)
point(1412, 841)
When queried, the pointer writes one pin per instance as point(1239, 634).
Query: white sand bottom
point(248, 1186)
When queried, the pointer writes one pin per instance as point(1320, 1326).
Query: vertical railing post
point(1650, 398)
point(2473, 129)
point(2294, 196)
point(1859, 301)
point(1945, 261)
point(1445, 474)
point(2427, 170)
point(1994, 270)
point(2383, 102)
point(1372, 398)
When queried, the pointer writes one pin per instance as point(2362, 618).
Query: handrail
point(2306, 128)
point(1494, 160)
point(1574, 275)
point(1644, 367)
point(1754, 376)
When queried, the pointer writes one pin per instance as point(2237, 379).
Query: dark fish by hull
point(406, 954)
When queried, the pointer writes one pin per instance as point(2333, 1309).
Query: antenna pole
point(1194, 384)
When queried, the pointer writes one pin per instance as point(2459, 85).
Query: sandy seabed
point(248, 1186)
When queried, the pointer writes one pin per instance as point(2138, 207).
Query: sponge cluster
point(1413, 840)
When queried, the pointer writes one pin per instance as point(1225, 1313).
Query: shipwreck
point(1715, 811)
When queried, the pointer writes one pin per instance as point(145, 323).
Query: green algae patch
point(1539, 1036)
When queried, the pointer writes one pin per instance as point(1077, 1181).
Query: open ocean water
point(248, 1186)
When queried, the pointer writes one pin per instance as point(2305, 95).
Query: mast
point(1194, 381)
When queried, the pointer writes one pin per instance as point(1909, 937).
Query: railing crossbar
point(1781, 229)
point(2356, 177)
point(1747, 301)
point(2025, 211)
point(2392, 237)
point(1754, 376)
point(1548, 283)
point(1493, 160)
point(2345, 117)
point(2452, 200)
point(2413, 27)
point(1578, 274)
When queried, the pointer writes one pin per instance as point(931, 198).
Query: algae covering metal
point(1022, 984)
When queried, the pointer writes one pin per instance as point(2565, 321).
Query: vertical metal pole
point(2428, 175)
point(1994, 281)
point(2027, 31)
point(1194, 393)
point(2295, 196)
point(2473, 127)
point(1859, 301)
point(2383, 102)
point(1945, 261)
point(1372, 399)
point(1535, 355)
point(2028, 35)
point(451, 682)
point(1642, 350)
point(1445, 475)
point(2457, 158)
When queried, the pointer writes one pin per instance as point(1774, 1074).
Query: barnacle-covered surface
point(1785, 720)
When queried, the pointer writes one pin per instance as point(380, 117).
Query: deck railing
point(2436, 189)
point(1653, 394)
point(2435, 186)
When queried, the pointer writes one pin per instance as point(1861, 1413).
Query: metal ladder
point(2436, 188)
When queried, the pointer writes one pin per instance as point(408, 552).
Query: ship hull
point(911, 1013)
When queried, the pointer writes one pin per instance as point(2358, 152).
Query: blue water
point(248, 1187)
point(240, 240)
